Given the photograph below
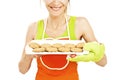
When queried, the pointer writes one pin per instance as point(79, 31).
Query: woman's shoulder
point(81, 23)
point(79, 19)
point(33, 26)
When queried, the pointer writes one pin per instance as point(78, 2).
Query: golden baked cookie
point(76, 50)
point(68, 45)
point(57, 45)
point(51, 49)
point(34, 45)
point(64, 49)
point(45, 45)
point(39, 50)
point(80, 45)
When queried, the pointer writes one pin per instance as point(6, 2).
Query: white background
point(16, 15)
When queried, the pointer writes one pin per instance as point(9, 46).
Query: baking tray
point(29, 49)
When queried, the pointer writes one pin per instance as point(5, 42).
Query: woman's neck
point(56, 21)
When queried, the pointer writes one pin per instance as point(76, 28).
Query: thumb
point(102, 47)
point(37, 55)
point(90, 45)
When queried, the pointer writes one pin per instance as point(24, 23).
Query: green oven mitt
point(96, 53)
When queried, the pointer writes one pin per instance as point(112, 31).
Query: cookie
point(76, 50)
point(64, 49)
point(39, 50)
point(68, 45)
point(34, 45)
point(80, 45)
point(57, 45)
point(45, 45)
point(51, 49)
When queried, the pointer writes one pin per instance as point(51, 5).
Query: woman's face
point(56, 7)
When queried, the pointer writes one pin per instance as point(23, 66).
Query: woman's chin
point(55, 14)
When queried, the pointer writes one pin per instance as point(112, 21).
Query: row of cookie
point(60, 49)
point(56, 45)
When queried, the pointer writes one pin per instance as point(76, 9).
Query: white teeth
point(55, 8)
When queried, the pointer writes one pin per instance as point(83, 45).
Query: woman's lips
point(55, 8)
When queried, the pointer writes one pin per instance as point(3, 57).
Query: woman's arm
point(103, 61)
point(25, 63)
point(88, 35)
point(26, 59)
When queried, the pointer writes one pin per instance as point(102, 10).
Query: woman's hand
point(36, 55)
point(25, 62)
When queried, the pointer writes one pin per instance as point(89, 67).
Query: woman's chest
point(55, 32)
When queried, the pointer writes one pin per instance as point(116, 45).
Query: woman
point(59, 25)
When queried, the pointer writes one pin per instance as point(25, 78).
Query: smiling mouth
point(56, 8)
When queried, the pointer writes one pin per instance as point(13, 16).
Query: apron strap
point(71, 26)
point(40, 29)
